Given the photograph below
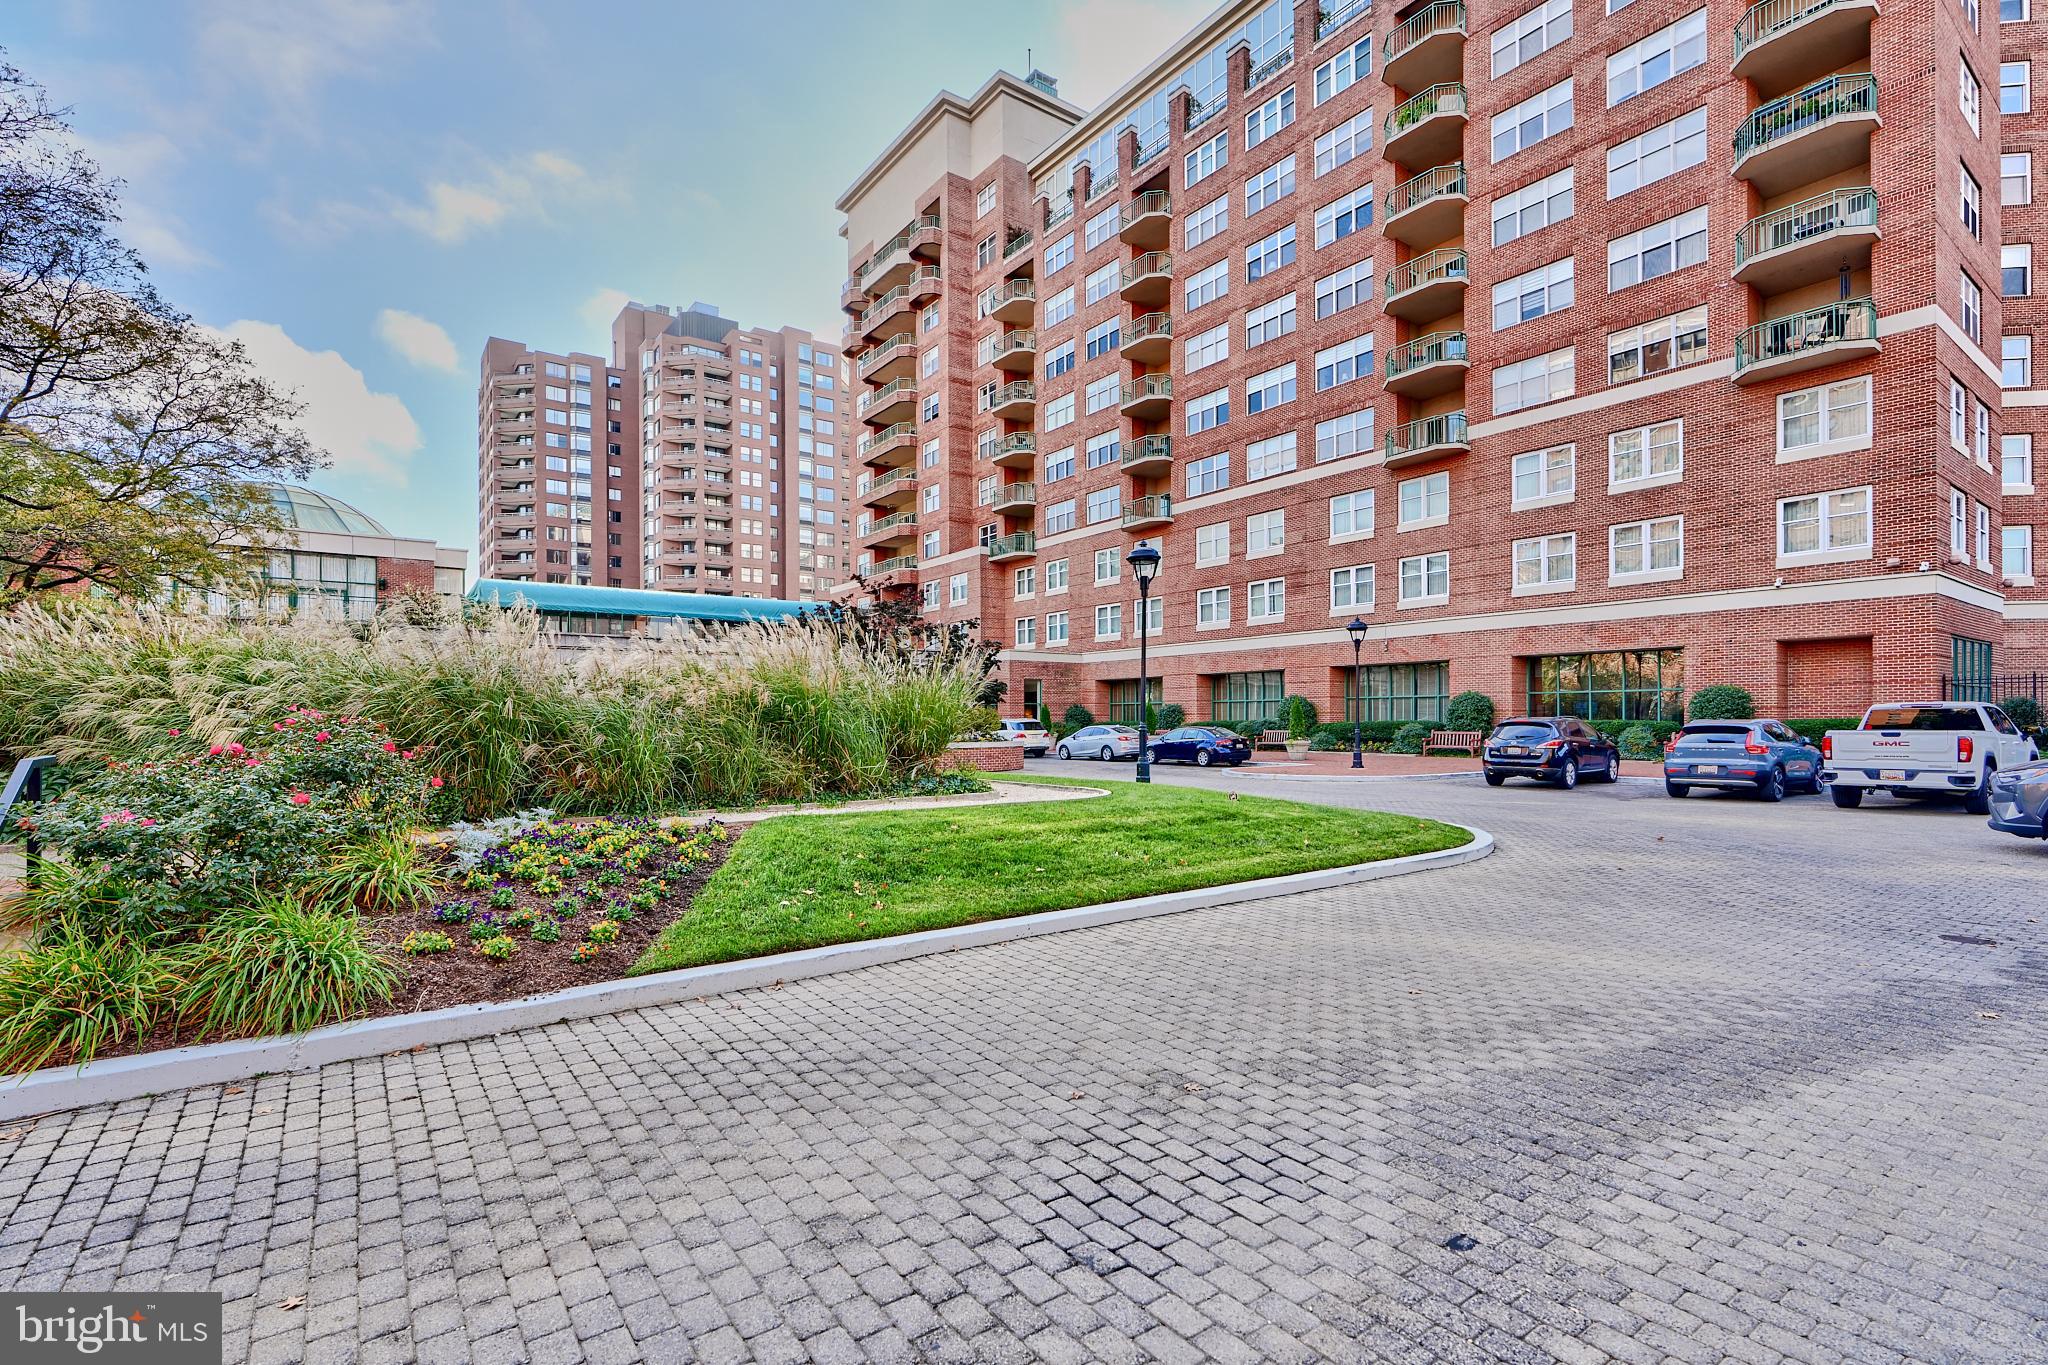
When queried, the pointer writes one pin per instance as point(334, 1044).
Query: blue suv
point(1763, 756)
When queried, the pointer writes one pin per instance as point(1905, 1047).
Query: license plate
point(1892, 775)
point(1514, 749)
point(1707, 769)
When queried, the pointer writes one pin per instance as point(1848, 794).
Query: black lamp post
point(1356, 630)
point(1144, 562)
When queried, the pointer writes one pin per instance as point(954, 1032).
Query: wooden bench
point(1465, 740)
point(1271, 739)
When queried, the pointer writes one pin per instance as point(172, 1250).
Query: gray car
point(2019, 800)
point(1105, 742)
point(1767, 757)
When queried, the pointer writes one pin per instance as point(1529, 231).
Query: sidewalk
point(1338, 764)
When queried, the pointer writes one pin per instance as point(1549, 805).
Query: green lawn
point(805, 881)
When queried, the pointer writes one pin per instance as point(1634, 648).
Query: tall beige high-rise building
point(705, 457)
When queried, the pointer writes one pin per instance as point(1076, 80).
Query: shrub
point(1814, 729)
point(1721, 701)
point(1640, 741)
point(76, 995)
point(1075, 717)
point(1169, 716)
point(1297, 716)
point(381, 873)
point(2024, 712)
point(1469, 711)
point(276, 967)
point(1410, 738)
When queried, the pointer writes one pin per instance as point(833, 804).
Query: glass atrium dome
point(308, 509)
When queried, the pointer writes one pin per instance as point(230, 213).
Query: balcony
point(1429, 286)
point(1142, 514)
point(1149, 154)
point(1808, 135)
point(1428, 48)
point(890, 529)
point(925, 284)
point(886, 490)
point(1016, 350)
point(1815, 239)
point(1016, 545)
point(852, 298)
point(890, 446)
point(1018, 450)
point(1430, 438)
point(1016, 401)
point(1013, 301)
point(1268, 69)
point(1779, 41)
point(1427, 209)
point(893, 357)
point(1427, 129)
point(1148, 397)
point(892, 403)
point(895, 259)
point(1427, 365)
point(898, 571)
point(1147, 456)
point(1018, 244)
point(891, 307)
point(1148, 221)
point(1828, 335)
point(1329, 20)
point(1015, 499)
point(1149, 278)
point(1148, 339)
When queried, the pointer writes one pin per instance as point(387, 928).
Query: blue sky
point(363, 190)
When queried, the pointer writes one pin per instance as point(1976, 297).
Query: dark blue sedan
point(1201, 745)
point(2019, 800)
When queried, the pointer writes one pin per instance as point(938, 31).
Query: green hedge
point(1814, 729)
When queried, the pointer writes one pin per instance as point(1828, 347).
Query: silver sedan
point(1106, 742)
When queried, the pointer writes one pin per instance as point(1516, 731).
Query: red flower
point(389, 747)
point(215, 751)
point(176, 733)
point(237, 750)
point(300, 799)
point(407, 754)
point(277, 725)
point(435, 782)
point(320, 738)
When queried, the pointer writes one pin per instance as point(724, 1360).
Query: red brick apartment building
point(704, 457)
point(1591, 353)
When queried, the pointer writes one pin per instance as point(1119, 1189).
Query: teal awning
point(575, 598)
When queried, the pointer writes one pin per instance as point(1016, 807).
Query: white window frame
point(1265, 601)
point(1265, 534)
point(1434, 564)
point(1683, 42)
point(1530, 34)
point(1827, 550)
point(1828, 405)
point(1345, 435)
point(1684, 235)
point(1552, 285)
point(1657, 153)
point(1534, 120)
point(1555, 193)
point(1204, 161)
point(1355, 513)
point(1212, 544)
point(1206, 222)
point(1647, 574)
point(1650, 438)
point(1414, 498)
point(1543, 465)
point(1543, 553)
point(1353, 590)
point(1212, 608)
point(1535, 380)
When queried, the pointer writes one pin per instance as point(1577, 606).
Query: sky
point(362, 191)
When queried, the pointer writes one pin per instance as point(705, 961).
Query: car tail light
point(1750, 746)
point(1553, 744)
point(1827, 746)
point(1965, 748)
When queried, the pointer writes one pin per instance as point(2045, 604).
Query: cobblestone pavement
point(1700, 1080)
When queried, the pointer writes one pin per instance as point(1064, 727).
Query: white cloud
point(601, 307)
point(1095, 40)
point(454, 210)
point(287, 52)
point(364, 432)
point(424, 343)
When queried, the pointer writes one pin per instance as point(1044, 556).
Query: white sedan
point(1106, 742)
point(1028, 733)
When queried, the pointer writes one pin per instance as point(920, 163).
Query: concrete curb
point(155, 1073)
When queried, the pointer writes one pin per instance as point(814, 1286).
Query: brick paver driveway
point(1699, 1081)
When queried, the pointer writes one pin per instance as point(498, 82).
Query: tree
point(133, 442)
point(892, 624)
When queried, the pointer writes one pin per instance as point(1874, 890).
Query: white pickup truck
point(1924, 748)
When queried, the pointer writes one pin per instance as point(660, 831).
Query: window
point(1983, 536)
point(1205, 160)
point(2016, 461)
point(1059, 307)
point(1101, 227)
point(1351, 589)
point(1645, 684)
point(1123, 698)
point(1398, 692)
point(1958, 524)
point(1104, 448)
point(1059, 517)
point(1055, 627)
point(1103, 338)
point(1269, 186)
point(2016, 552)
point(1658, 345)
point(1970, 97)
point(1643, 457)
point(1530, 33)
point(1207, 285)
point(1425, 580)
point(1546, 289)
point(1662, 151)
point(1055, 576)
point(1265, 533)
point(1646, 550)
point(1266, 600)
point(1546, 564)
point(1350, 434)
point(1100, 284)
point(2015, 270)
point(1971, 13)
point(1027, 631)
point(1833, 524)
point(1343, 216)
point(2016, 361)
point(1104, 504)
point(984, 199)
point(1544, 114)
point(1538, 379)
point(1212, 608)
point(1263, 392)
point(985, 252)
point(1206, 221)
point(1972, 204)
point(1059, 412)
point(1109, 621)
point(1425, 501)
point(1351, 516)
point(1344, 288)
point(1109, 566)
point(1823, 421)
point(1209, 474)
point(956, 589)
point(1344, 362)
point(1059, 464)
point(1027, 582)
point(1212, 543)
point(1269, 118)
point(1958, 414)
point(2014, 11)
point(1210, 410)
point(1658, 249)
point(1059, 255)
point(1543, 477)
point(1268, 254)
point(2016, 178)
point(1245, 698)
point(1344, 70)
point(1058, 361)
point(2014, 80)
point(1533, 206)
point(1973, 308)
point(1274, 455)
point(1269, 322)
point(1650, 62)
point(1344, 143)
point(1204, 349)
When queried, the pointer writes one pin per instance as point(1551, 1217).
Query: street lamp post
point(1144, 562)
point(1356, 630)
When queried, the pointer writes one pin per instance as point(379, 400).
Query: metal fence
point(1996, 687)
